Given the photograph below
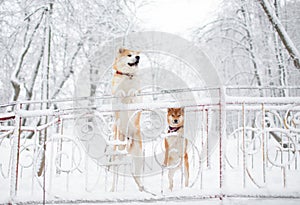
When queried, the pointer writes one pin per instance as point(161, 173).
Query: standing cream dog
point(125, 86)
point(176, 146)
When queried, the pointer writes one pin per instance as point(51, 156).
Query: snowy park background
point(55, 102)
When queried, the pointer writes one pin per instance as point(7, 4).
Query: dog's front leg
point(166, 153)
point(138, 167)
point(186, 169)
point(170, 176)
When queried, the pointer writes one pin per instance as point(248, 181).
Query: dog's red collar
point(127, 74)
point(173, 129)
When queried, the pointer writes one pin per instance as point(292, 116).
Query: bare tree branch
point(286, 40)
point(14, 78)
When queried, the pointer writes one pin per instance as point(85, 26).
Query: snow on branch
point(287, 42)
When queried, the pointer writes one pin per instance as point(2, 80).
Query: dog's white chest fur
point(126, 90)
point(125, 87)
point(177, 144)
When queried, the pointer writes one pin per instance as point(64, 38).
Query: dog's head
point(175, 117)
point(126, 61)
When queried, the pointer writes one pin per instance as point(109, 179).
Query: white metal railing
point(240, 146)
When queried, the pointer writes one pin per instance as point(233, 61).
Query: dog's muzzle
point(137, 60)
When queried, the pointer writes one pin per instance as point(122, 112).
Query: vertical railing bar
point(296, 154)
point(59, 144)
point(18, 150)
point(34, 158)
point(296, 158)
point(281, 160)
point(86, 165)
point(222, 127)
point(44, 176)
point(124, 177)
point(106, 180)
point(162, 181)
point(263, 141)
point(289, 152)
point(144, 165)
point(207, 141)
point(16, 153)
point(267, 137)
point(68, 181)
point(117, 177)
point(243, 144)
point(220, 142)
point(238, 141)
point(50, 166)
point(182, 158)
point(202, 147)
point(284, 176)
point(253, 144)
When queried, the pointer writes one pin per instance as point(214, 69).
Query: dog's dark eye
point(129, 55)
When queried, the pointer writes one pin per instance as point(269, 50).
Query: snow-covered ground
point(226, 201)
point(90, 184)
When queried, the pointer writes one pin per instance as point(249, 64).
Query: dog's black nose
point(175, 121)
point(137, 57)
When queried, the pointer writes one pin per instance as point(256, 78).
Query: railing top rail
point(108, 97)
point(229, 100)
point(260, 87)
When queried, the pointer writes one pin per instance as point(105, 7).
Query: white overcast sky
point(177, 16)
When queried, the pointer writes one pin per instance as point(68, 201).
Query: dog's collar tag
point(174, 129)
point(127, 74)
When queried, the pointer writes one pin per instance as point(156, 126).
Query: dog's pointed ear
point(182, 110)
point(170, 110)
point(121, 50)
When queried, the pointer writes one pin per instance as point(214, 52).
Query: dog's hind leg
point(137, 153)
point(170, 176)
point(137, 171)
point(116, 131)
point(186, 169)
point(137, 162)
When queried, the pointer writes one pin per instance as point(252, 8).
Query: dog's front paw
point(132, 93)
point(120, 94)
point(141, 188)
point(112, 189)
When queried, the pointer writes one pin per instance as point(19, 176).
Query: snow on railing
point(239, 146)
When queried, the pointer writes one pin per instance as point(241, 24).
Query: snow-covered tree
point(247, 49)
point(284, 36)
point(45, 42)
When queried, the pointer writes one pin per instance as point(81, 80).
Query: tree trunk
point(43, 136)
point(14, 78)
point(279, 57)
point(286, 40)
point(69, 73)
point(250, 41)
